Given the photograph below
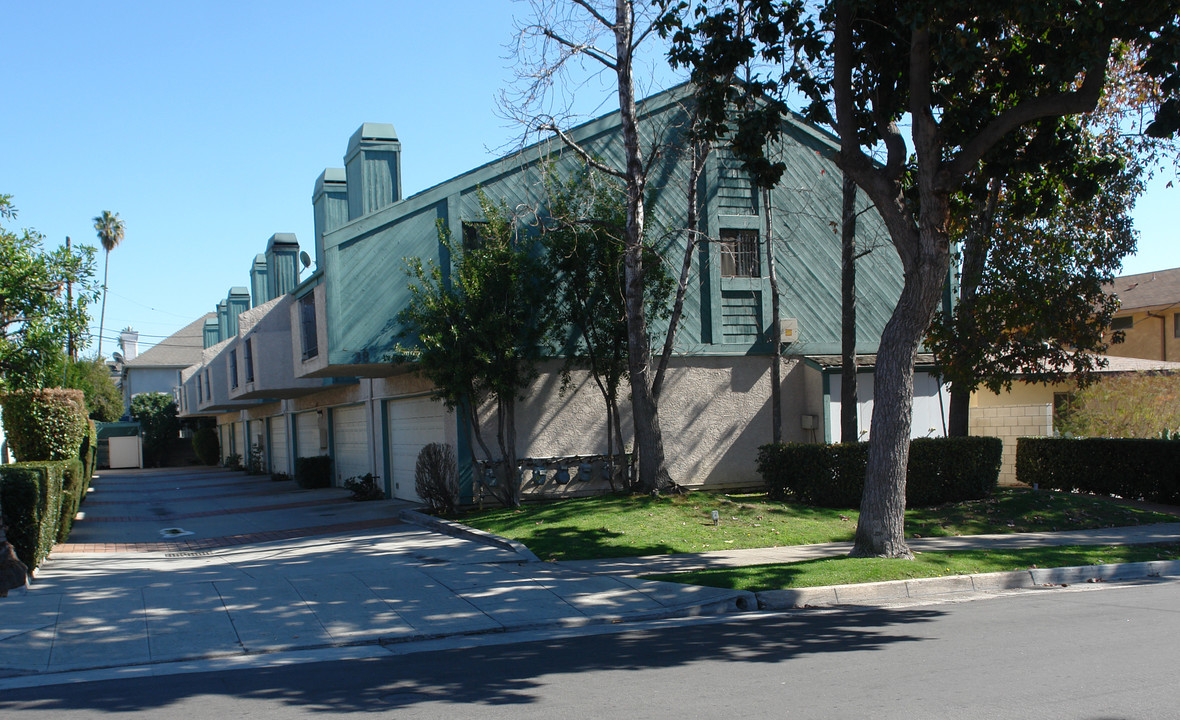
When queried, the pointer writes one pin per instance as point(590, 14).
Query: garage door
point(413, 423)
point(350, 441)
point(307, 435)
point(277, 432)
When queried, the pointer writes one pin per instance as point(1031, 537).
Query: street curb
point(863, 593)
point(459, 530)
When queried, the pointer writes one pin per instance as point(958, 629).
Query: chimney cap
point(284, 240)
point(373, 134)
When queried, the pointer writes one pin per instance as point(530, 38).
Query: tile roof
point(1150, 289)
point(180, 349)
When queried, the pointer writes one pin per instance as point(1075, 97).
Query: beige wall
point(1153, 337)
point(1009, 422)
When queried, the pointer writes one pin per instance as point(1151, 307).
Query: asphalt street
point(1087, 652)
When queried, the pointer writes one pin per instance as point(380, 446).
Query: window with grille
point(739, 254)
point(307, 326)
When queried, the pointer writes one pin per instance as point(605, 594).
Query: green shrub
point(314, 472)
point(88, 454)
point(207, 446)
point(279, 477)
point(1134, 468)
point(233, 461)
point(940, 470)
point(30, 494)
point(71, 497)
point(365, 487)
point(46, 424)
point(156, 414)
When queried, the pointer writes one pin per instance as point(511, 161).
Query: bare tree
point(609, 35)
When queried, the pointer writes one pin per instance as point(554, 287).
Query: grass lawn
point(626, 525)
point(842, 571)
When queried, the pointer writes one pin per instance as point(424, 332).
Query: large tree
point(1036, 250)
point(35, 315)
point(965, 81)
point(110, 231)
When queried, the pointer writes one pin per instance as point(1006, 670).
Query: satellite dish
point(117, 356)
point(305, 259)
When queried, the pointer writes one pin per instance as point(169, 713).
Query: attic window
point(474, 234)
point(1126, 322)
point(739, 254)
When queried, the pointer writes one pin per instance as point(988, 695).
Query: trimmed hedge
point(940, 470)
point(30, 493)
point(1132, 468)
point(88, 454)
point(314, 472)
point(72, 487)
point(45, 424)
point(207, 446)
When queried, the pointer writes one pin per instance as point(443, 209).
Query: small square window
point(739, 254)
point(1126, 322)
point(474, 235)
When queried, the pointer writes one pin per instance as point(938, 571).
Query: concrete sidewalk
point(132, 594)
point(664, 564)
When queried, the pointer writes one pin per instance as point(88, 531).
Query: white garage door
point(307, 435)
point(413, 423)
point(277, 432)
point(350, 440)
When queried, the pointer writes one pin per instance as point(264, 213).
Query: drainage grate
point(201, 553)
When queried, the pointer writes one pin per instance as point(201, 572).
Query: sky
point(205, 126)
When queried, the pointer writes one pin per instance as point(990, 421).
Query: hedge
point(30, 493)
point(72, 487)
point(45, 424)
point(940, 470)
point(313, 472)
point(1132, 468)
point(88, 454)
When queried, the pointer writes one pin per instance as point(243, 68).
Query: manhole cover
point(174, 532)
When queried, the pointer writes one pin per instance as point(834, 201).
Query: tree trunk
point(849, 429)
point(103, 314)
point(649, 441)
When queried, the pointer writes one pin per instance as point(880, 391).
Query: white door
point(350, 443)
point(277, 432)
point(413, 423)
point(307, 435)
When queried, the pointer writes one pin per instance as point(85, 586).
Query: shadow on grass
point(509, 675)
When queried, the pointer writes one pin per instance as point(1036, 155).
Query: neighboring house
point(1029, 409)
point(1149, 315)
point(296, 369)
point(159, 367)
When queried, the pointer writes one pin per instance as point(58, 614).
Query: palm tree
point(110, 234)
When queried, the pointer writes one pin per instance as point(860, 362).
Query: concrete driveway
point(180, 564)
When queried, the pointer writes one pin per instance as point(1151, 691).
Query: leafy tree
point(103, 398)
point(110, 231)
point(35, 316)
point(480, 332)
point(156, 414)
point(1036, 253)
point(966, 82)
point(584, 240)
point(1131, 405)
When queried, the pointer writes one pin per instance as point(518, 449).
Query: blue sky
point(205, 125)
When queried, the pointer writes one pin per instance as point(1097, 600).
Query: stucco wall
point(1152, 337)
point(1008, 423)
